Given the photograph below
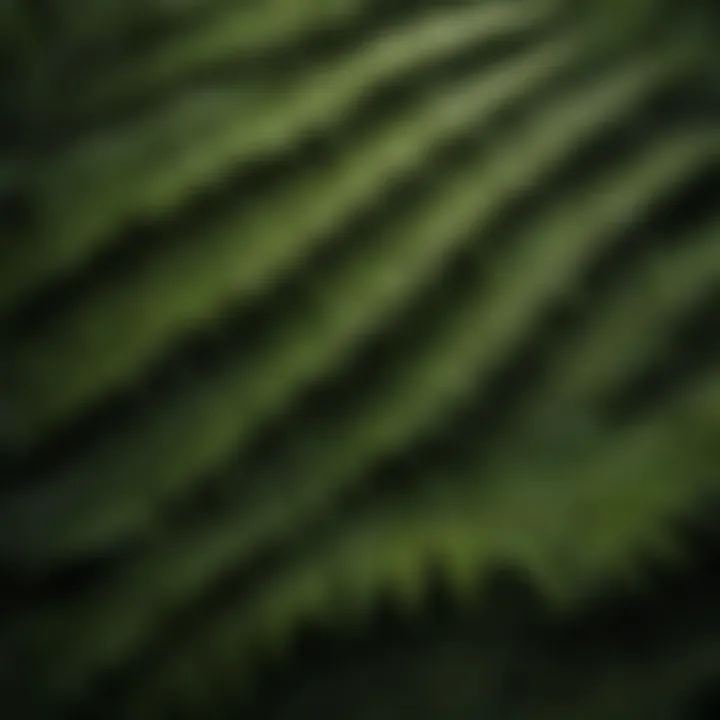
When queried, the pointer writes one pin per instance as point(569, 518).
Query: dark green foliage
point(359, 359)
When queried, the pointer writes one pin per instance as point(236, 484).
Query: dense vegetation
point(359, 359)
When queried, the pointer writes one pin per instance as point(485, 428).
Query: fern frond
point(308, 307)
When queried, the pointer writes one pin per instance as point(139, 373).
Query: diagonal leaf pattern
point(307, 307)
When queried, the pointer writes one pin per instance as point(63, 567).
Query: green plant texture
point(359, 359)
